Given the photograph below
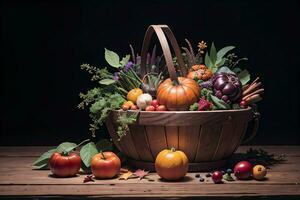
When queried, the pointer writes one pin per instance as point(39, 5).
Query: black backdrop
point(43, 44)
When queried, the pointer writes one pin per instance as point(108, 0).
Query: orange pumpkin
point(171, 164)
point(200, 72)
point(178, 96)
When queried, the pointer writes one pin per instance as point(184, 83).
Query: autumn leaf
point(141, 173)
point(126, 175)
point(88, 178)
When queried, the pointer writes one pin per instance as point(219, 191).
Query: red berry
point(204, 105)
point(243, 104)
point(217, 177)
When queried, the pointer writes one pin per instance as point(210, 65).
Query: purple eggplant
point(227, 87)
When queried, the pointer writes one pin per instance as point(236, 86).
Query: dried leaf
point(141, 173)
point(88, 178)
point(125, 176)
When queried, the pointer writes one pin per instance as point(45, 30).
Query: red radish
point(161, 108)
point(150, 108)
point(154, 103)
point(217, 177)
point(242, 170)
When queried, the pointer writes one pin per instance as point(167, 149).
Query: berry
point(204, 105)
point(208, 175)
point(229, 171)
point(243, 104)
point(197, 175)
point(201, 179)
point(217, 177)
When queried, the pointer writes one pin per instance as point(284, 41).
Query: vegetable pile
point(215, 81)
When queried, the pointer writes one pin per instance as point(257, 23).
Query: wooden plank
point(153, 190)
point(172, 136)
point(208, 142)
point(139, 136)
point(157, 139)
point(188, 140)
point(18, 179)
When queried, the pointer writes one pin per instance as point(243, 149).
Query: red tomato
point(134, 107)
point(150, 108)
point(105, 165)
point(65, 166)
point(161, 108)
point(154, 103)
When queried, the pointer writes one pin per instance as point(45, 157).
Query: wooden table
point(18, 180)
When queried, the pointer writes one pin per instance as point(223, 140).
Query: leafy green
point(65, 146)
point(87, 152)
point(215, 59)
point(225, 70)
point(222, 52)
point(244, 76)
point(194, 107)
point(213, 53)
point(228, 177)
point(43, 160)
point(125, 60)
point(107, 81)
point(219, 103)
point(112, 58)
point(124, 120)
point(236, 106)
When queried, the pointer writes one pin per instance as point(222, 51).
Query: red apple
point(154, 103)
point(217, 177)
point(242, 170)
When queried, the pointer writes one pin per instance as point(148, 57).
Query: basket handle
point(256, 117)
point(163, 32)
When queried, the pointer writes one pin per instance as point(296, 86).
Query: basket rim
point(185, 112)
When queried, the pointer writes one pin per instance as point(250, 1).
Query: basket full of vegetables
point(198, 102)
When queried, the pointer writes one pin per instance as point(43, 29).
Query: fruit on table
point(243, 104)
point(259, 172)
point(217, 177)
point(144, 100)
point(161, 108)
point(65, 165)
point(133, 94)
point(171, 164)
point(150, 108)
point(200, 72)
point(243, 170)
point(105, 165)
point(203, 105)
point(178, 96)
point(227, 87)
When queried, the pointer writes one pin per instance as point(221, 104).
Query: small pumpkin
point(200, 72)
point(171, 164)
point(178, 95)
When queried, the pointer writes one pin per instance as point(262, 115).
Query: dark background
point(43, 44)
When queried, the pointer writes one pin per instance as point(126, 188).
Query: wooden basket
point(209, 138)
